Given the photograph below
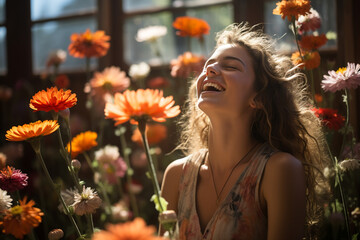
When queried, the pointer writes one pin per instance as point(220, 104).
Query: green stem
point(66, 156)
point(129, 173)
point(346, 121)
point(296, 36)
point(90, 222)
point(39, 156)
point(89, 162)
point(142, 126)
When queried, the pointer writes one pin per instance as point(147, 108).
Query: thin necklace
point(218, 195)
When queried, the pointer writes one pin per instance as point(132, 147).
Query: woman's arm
point(170, 185)
point(284, 188)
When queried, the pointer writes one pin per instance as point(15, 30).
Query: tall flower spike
point(141, 104)
point(89, 44)
point(31, 130)
point(53, 99)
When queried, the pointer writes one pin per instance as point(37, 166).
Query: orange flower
point(190, 26)
point(141, 104)
point(187, 65)
point(134, 230)
point(82, 142)
point(62, 81)
point(311, 59)
point(20, 219)
point(310, 42)
point(154, 133)
point(32, 130)
point(53, 99)
point(89, 44)
point(292, 8)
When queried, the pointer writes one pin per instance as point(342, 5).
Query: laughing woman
point(253, 146)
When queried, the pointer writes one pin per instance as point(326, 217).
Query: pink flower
point(344, 78)
point(12, 179)
point(309, 22)
point(115, 170)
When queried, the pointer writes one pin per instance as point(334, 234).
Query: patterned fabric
point(239, 216)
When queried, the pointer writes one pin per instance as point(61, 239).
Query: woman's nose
point(212, 69)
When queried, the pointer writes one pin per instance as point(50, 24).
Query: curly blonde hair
point(283, 116)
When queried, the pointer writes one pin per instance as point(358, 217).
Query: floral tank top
point(239, 216)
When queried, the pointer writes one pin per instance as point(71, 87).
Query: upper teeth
point(214, 85)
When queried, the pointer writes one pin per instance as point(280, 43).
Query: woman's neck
point(229, 141)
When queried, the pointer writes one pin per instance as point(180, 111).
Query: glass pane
point(55, 8)
point(224, 17)
point(279, 28)
point(2, 11)
point(131, 5)
point(171, 44)
point(3, 64)
point(136, 52)
point(50, 36)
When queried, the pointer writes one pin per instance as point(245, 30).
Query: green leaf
point(164, 203)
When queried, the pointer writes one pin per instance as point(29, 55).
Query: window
point(280, 29)
point(140, 14)
point(2, 38)
point(53, 22)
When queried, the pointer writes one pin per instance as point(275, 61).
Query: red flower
point(330, 118)
point(12, 179)
point(310, 42)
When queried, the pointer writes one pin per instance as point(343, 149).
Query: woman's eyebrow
point(234, 58)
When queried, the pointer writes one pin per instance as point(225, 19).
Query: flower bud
point(76, 164)
point(55, 234)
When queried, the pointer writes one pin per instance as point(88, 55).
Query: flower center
point(341, 70)
point(17, 210)
point(107, 86)
point(84, 196)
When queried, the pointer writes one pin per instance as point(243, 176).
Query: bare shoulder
point(170, 185)
point(284, 161)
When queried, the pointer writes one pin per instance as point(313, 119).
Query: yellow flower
point(32, 130)
point(82, 142)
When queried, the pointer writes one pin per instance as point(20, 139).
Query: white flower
point(56, 57)
point(107, 154)
point(68, 196)
point(349, 164)
point(139, 71)
point(120, 211)
point(86, 202)
point(151, 33)
point(5, 200)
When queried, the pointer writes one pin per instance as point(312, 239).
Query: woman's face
point(226, 83)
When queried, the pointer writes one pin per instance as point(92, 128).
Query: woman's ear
point(252, 102)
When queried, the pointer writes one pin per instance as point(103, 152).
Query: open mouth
point(212, 87)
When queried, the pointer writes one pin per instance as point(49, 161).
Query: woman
point(253, 144)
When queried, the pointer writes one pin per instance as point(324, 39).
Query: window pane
point(132, 5)
point(224, 17)
point(2, 11)
point(136, 52)
point(2, 50)
point(277, 27)
point(55, 8)
point(50, 36)
point(171, 44)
